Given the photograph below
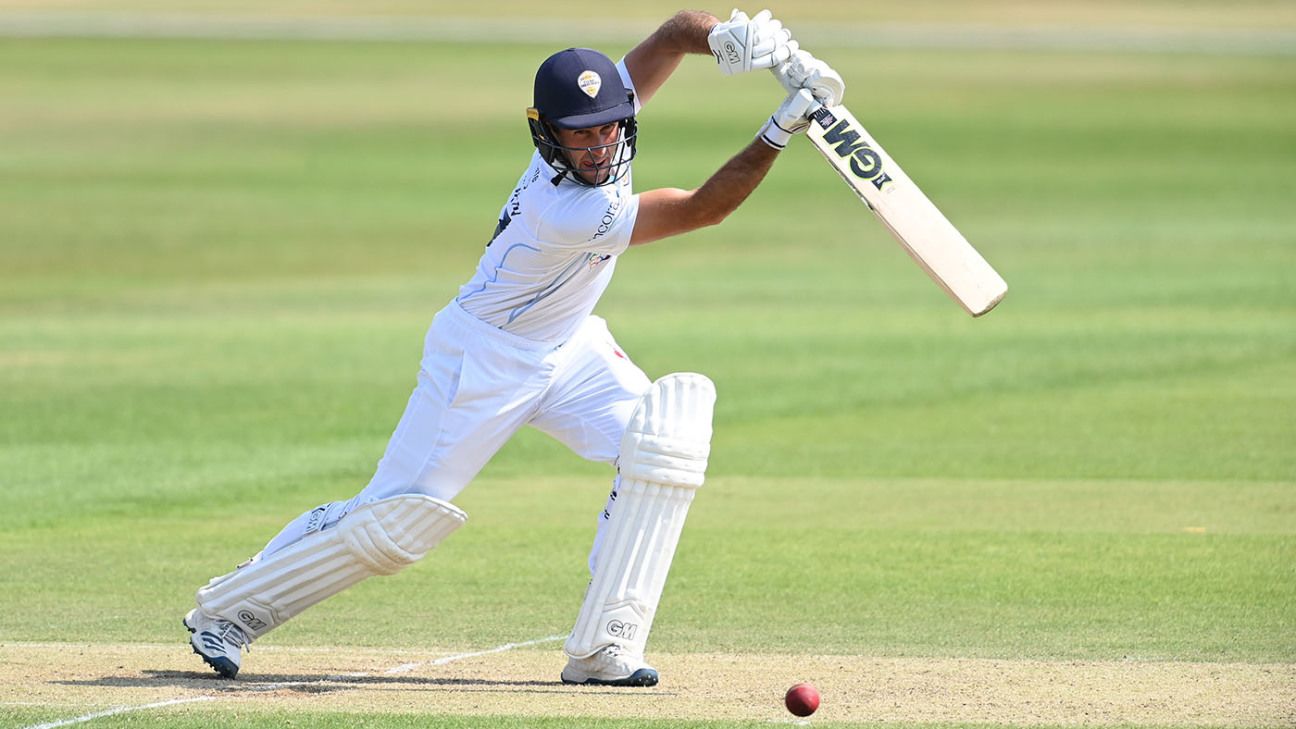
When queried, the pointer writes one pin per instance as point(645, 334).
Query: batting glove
point(804, 71)
point(792, 117)
point(741, 44)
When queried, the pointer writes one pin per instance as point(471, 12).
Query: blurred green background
point(218, 257)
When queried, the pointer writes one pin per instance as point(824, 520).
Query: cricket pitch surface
point(86, 680)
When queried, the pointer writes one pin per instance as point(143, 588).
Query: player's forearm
point(725, 190)
point(732, 183)
point(653, 61)
point(669, 211)
point(685, 32)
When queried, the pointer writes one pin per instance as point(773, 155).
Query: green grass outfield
point(218, 260)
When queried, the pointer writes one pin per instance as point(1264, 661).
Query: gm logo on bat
point(865, 162)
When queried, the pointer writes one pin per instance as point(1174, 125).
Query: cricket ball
point(802, 699)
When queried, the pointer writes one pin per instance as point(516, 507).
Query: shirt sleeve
point(629, 83)
point(594, 221)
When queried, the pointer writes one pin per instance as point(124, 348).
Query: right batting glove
point(804, 71)
point(792, 117)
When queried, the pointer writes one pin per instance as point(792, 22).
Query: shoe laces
point(617, 653)
point(232, 633)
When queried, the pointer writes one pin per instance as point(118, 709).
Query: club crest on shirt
point(590, 83)
point(594, 259)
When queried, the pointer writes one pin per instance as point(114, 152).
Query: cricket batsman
point(519, 345)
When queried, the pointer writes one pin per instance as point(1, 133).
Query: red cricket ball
point(802, 699)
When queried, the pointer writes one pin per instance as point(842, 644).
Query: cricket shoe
point(610, 666)
point(218, 642)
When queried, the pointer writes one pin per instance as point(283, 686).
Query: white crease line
point(119, 710)
point(403, 668)
point(406, 668)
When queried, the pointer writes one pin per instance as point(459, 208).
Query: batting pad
point(379, 538)
point(662, 463)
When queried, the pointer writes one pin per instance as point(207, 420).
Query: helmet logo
point(590, 83)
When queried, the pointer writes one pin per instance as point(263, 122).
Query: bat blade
point(920, 227)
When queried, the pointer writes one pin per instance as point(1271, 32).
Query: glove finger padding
point(765, 37)
point(741, 43)
point(783, 53)
point(792, 117)
point(804, 71)
point(794, 71)
point(777, 49)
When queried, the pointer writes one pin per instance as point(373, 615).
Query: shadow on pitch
point(305, 683)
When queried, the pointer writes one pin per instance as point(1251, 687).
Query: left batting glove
point(741, 44)
point(792, 117)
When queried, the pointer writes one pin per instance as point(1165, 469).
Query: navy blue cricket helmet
point(576, 89)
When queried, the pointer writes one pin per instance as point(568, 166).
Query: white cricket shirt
point(553, 257)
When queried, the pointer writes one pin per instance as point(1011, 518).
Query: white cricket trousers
point(477, 385)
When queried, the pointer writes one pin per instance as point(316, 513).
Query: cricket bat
point(919, 225)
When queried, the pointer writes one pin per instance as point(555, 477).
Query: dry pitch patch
point(81, 679)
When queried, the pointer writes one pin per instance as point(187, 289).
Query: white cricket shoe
point(610, 666)
point(219, 642)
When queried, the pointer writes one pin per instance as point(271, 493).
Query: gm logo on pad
point(622, 629)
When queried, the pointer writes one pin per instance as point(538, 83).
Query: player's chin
point(595, 175)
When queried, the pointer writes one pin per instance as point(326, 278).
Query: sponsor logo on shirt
point(609, 217)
